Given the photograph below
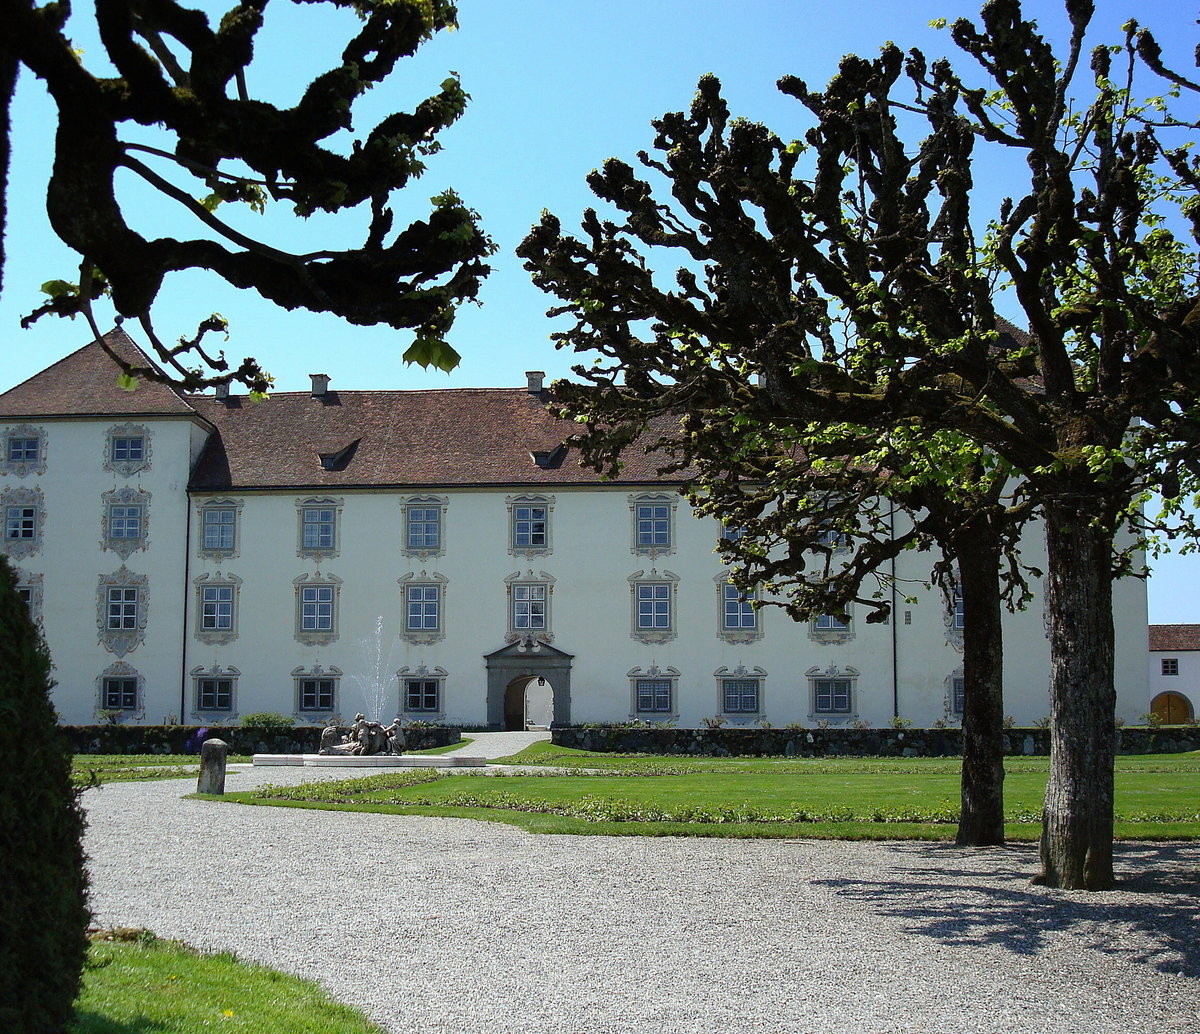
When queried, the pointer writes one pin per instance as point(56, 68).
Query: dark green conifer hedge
point(43, 910)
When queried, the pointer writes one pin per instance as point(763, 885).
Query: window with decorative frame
point(318, 527)
point(653, 595)
point(958, 695)
point(29, 590)
point(317, 608)
point(219, 520)
point(124, 520)
point(316, 690)
point(653, 524)
point(422, 690)
point(122, 610)
point(740, 690)
point(529, 525)
point(127, 449)
point(832, 691)
point(653, 691)
point(119, 688)
point(24, 451)
point(216, 607)
point(24, 516)
point(738, 619)
point(831, 628)
point(424, 607)
point(424, 526)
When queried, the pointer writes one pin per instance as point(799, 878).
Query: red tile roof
point(448, 436)
point(1175, 638)
point(85, 384)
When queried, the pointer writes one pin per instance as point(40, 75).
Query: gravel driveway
point(450, 925)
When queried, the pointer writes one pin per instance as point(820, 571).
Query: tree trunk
point(976, 547)
point(1077, 818)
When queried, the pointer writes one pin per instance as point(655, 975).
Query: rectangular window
point(316, 608)
point(828, 621)
point(22, 450)
point(654, 695)
point(214, 694)
point(421, 694)
point(529, 607)
point(317, 694)
point(424, 527)
point(20, 522)
point(424, 608)
point(128, 450)
point(318, 523)
point(1170, 665)
point(220, 523)
point(119, 694)
point(832, 538)
point(654, 605)
point(958, 610)
point(653, 525)
point(216, 607)
point(958, 689)
point(529, 526)
point(739, 609)
point(122, 607)
point(124, 522)
point(831, 696)
point(25, 592)
point(740, 696)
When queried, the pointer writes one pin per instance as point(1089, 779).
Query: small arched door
point(1172, 708)
point(528, 703)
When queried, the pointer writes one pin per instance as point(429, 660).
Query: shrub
point(712, 723)
point(268, 721)
point(44, 916)
point(900, 723)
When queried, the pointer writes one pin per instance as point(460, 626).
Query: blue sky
point(557, 86)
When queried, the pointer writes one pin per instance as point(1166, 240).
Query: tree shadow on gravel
point(985, 897)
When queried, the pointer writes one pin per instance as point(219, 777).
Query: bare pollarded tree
point(842, 282)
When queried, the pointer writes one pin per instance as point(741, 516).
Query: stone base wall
point(185, 739)
point(835, 742)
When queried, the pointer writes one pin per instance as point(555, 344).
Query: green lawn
point(117, 768)
point(149, 985)
point(1157, 797)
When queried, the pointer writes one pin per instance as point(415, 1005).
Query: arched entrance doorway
point(510, 672)
point(529, 703)
point(1172, 708)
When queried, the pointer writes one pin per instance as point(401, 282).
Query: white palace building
point(438, 554)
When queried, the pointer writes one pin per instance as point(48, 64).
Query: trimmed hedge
point(186, 739)
point(43, 915)
point(835, 742)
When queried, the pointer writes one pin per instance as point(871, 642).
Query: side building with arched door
point(1174, 677)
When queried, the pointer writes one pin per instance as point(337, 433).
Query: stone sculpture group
point(365, 738)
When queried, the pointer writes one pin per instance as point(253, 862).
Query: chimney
point(533, 379)
point(223, 390)
point(320, 384)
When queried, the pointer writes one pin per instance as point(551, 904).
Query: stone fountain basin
point(370, 761)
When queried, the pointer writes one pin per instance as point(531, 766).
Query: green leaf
point(428, 351)
point(58, 288)
point(127, 382)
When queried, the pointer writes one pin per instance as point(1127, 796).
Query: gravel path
point(450, 925)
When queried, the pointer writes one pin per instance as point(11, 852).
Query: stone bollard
point(212, 767)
